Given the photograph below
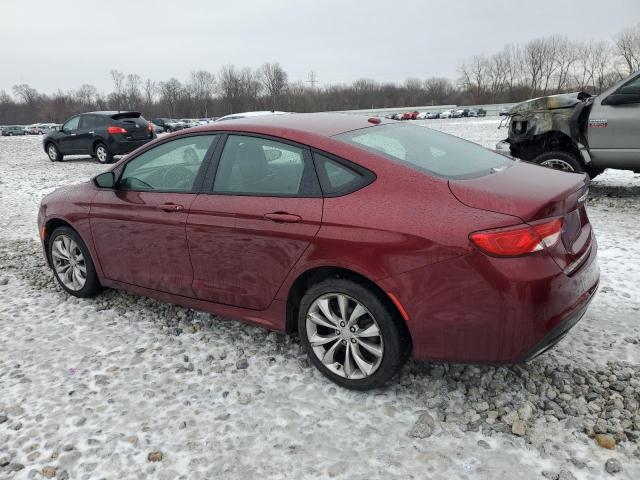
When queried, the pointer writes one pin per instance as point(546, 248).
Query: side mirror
point(621, 99)
point(105, 180)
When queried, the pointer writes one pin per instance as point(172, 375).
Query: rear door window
point(264, 167)
point(87, 122)
point(427, 150)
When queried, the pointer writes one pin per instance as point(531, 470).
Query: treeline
point(540, 67)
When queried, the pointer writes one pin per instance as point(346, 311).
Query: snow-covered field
point(100, 388)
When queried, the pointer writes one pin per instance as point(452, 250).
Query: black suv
point(99, 134)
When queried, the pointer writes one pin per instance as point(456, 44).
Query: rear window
point(427, 150)
point(122, 115)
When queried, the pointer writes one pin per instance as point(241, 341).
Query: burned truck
point(578, 132)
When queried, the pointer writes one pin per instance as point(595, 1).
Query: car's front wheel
point(103, 154)
point(559, 160)
point(350, 335)
point(53, 153)
point(72, 264)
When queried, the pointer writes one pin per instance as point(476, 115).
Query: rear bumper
point(481, 309)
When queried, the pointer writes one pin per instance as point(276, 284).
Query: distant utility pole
point(313, 79)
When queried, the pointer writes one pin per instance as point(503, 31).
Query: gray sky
point(53, 44)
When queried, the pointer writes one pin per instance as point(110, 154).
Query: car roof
point(324, 124)
point(110, 113)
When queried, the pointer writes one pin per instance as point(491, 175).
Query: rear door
point(136, 126)
point(264, 208)
point(86, 134)
point(139, 227)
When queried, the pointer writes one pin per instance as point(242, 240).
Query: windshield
point(427, 150)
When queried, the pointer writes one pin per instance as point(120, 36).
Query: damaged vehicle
point(578, 132)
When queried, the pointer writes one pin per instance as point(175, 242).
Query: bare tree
point(275, 80)
point(201, 87)
point(86, 96)
point(170, 93)
point(118, 88)
point(26, 93)
point(627, 44)
point(133, 93)
point(149, 88)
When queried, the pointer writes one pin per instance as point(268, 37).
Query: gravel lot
point(122, 386)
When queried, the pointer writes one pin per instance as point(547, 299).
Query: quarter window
point(258, 166)
point(337, 178)
point(172, 166)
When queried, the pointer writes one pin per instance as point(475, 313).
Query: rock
point(14, 467)
point(49, 472)
point(518, 428)
point(4, 461)
point(244, 398)
point(4, 281)
point(525, 411)
point(605, 441)
point(612, 466)
point(509, 417)
point(80, 422)
point(242, 364)
point(565, 475)
point(424, 426)
point(484, 444)
point(155, 456)
point(3, 419)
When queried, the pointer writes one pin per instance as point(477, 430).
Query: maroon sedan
point(372, 239)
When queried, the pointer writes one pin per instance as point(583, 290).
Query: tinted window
point(337, 178)
point(427, 150)
point(258, 166)
point(171, 166)
point(87, 121)
point(72, 124)
point(633, 87)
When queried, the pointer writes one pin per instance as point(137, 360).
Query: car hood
point(523, 190)
point(551, 102)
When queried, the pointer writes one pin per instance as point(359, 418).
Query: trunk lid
point(534, 194)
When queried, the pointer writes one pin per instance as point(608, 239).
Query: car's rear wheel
point(558, 160)
point(350, 335)
point(103, 154)
point(72, 264)
point(53, 153)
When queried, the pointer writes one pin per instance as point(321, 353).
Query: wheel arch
point(553, 140)
point(317, 274)
point(50, 226)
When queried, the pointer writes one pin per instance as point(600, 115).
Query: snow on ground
point(96, 388)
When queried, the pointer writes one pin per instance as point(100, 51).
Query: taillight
point(113, 129)
point(520, 240)
point(150, 127)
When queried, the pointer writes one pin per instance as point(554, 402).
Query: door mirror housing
point(105, 180)
point(621, 99)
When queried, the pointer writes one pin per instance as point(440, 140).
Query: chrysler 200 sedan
point(372, 239)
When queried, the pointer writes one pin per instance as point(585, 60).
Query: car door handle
point(72, 134)
point(282, 217)
point(91, 133)
point(170, 207)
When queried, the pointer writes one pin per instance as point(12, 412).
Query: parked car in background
point(157, 128)
point(13, 130)
point(446, 114)
point(33, 129)
point(461, 112)
point(504, 112)
point(333, 238)
point(473, 113)
point(235, 116)
point(481, 112)
point(99, 134)
point(433, 115)
point(168, 124)
point(189, 123)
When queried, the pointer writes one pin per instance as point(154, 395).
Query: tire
point(560, 160)
point(80, 257)
point(391, 341)
point(53, 153)
point(103, 154)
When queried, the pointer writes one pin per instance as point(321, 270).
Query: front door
point(614, 129)
point(67, 141)
point(248, 233)
point(139, 227)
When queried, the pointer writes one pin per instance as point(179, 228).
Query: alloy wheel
point(344, 336)
point(101, 153)
point(69, 262)
point(53, 153)
point(558, 164)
